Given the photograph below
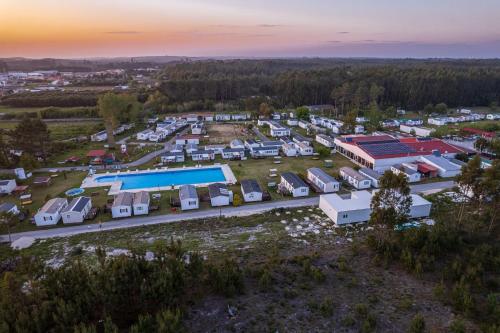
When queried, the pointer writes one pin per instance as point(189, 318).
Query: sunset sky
point(273, 28)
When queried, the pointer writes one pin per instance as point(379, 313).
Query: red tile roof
point(96, 153)
point(428, 146)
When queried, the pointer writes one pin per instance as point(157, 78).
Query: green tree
point(491, 187)
point(8, 220)
point(264, 110)
point(157, 101)
point(469, 184)
point(441, 108)
point(429, 109)
point(114, 108)
point(28, 162)
point(350, 121)
point(391, 204)
point(302, 113)
point(31, 136)
point(4, 151)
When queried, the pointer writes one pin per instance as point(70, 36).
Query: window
point(123, 210)
point(139, 208)
point(344, 216)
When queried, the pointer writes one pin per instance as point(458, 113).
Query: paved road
point(436, 187)
point(244, 210)
point(169, 218)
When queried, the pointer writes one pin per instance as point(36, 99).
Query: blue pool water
point(166, 178)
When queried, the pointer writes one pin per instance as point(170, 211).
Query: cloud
point(343, 32)
point(246, 26)
point(123, 32)
point(333, 41)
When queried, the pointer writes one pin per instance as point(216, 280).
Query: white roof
point(358, 200)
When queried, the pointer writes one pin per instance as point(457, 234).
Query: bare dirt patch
point(224, 133)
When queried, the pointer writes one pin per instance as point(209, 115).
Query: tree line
point(348, 84)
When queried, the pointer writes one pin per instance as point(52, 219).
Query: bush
point(417, 324)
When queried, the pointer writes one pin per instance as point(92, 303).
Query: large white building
point(380, 152)
point(355, 207)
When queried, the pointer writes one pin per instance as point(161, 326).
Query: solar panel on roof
point(387, 148)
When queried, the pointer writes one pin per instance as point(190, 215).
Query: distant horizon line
point(235, 57)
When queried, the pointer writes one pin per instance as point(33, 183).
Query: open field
point(20, 110)
point(64, 130)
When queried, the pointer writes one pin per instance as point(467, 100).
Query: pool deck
point(115, 186)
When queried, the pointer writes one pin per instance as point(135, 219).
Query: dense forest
point(347, 83)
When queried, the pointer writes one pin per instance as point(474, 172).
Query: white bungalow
point(50, 213)
point(99, 136)
point(371, 174)
point(292, 184)
point(304, 124)
point(217, 149)
point(239, 116)
point(219, 194)
point(188, 197)
point(186, 139)
point(7, 186)
point(251, 190)
point(140, 204)
point(355, 178)
point(236, 143)
point(76, 211)
point(289, 149)
point(172, 157)
point(322, 180)
point(222, 117)
point(144, 135)
point(264, 151)
point(203, 155)
point(9, 208)
point(411, 174)
point(304, 149)
point(278, 130)
point(122, 205)
point(233, 153)
point(292, 122)
point(190, 148)
point(251, 143)
point(325, 140)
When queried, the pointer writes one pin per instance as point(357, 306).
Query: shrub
point(417, 324)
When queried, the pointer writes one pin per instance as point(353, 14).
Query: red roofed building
point(484, 134)
point(380, 152)
point(96, 153)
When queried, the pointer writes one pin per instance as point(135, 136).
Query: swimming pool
point(144, 180)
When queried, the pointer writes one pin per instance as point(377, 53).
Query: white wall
point(121, 211)
point(252, 196)
point(188, 204)
point(43, 219)
point(219, 201)
point(141, 209)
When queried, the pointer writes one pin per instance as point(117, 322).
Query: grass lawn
point(64, 130)
point(10, 110)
